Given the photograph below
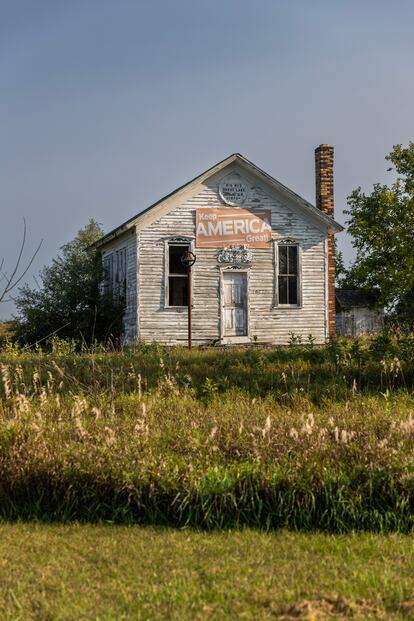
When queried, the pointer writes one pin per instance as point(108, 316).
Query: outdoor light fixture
point(188, 259)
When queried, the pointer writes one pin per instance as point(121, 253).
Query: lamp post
point(188, 259)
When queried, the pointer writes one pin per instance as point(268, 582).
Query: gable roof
point(330, 223)
point(348, 298)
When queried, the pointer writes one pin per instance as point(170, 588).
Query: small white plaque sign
point(233, 190)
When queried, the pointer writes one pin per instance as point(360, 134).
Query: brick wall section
point(324, 164)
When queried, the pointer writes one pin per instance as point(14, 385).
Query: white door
point(235, 303)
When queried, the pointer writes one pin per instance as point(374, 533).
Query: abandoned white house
point(264, 259)
point(358, 312)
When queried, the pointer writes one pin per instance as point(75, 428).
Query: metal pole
point(189, 306)
point(188, 259)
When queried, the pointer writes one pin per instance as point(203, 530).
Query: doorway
point(234, 306)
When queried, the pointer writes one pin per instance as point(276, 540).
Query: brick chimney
point(324, 158)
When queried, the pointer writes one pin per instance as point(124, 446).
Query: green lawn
point(65, 572)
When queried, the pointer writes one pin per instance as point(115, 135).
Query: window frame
point(120, 283)
point(115, 285)
point(174, 241)
point(277, 243)
point(108, 273)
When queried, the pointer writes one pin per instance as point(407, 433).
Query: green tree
point(382, 226)
point(341, 273)
point(69, 302)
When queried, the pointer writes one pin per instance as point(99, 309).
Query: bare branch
point(36, 282)
point(16, 267)
point(23, 274)
point(15, 278)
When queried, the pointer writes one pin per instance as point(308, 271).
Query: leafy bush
point(69, 303)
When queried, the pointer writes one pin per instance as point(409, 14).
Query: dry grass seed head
point(7, 385)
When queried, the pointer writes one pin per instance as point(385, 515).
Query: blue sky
point(107, 105)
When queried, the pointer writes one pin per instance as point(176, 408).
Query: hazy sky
point(107, 105)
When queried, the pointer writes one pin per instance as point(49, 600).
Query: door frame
point(227, 340)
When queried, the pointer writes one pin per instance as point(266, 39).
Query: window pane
point(293, 290)
point(177, 291)
point(120, 270)
point(293, 259)
point(175, 254)
point(283, 260)
point(123, 262)
point(108, 272)
point(283, 290)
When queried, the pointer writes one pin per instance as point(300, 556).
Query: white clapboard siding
point(267, 323)
point(357, 321)
point(129, 242)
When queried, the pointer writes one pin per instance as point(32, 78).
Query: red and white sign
point(218, 228)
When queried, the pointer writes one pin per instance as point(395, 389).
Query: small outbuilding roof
point(349, 298)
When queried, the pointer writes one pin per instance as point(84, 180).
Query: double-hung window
point(288, 274)
point(177, 279)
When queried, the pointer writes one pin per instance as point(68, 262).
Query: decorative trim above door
point(235, 255)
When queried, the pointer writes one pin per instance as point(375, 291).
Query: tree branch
point(15, 278)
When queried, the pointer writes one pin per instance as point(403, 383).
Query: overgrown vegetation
point(300, 437)
point(381, 224)
point(6, 333)
point(69, 303)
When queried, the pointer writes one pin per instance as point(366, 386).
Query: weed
point(299, 437)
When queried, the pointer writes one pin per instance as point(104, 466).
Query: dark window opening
point(178, 291)
point(175, 254)
point(115, 276)
point(177, 276)
point(288, 275)
point(108, 271)
point(120, 276)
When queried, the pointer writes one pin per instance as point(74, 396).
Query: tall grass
point(299, 438)
point(334, 372)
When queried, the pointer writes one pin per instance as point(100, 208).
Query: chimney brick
point(324, 161)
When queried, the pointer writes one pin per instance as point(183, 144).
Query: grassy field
point(73, 572)
point(302, 438)
point(333, 373)
point(101, 453)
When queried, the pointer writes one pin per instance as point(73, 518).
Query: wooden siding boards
point(129, 242)
point(267, 323)
point(358, 321)
point(164, 205)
